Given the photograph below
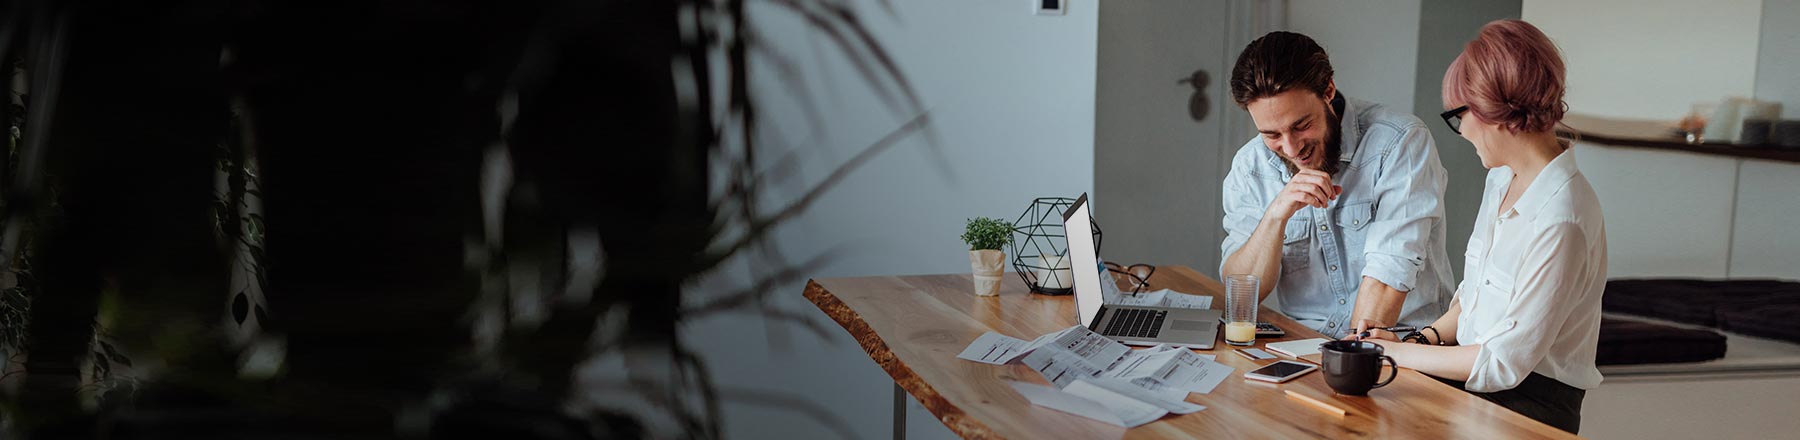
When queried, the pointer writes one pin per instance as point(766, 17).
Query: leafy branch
point(987, 233)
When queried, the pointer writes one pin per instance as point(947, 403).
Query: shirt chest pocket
point(1353, 221)
point(1295, 245)
point(1494, 287)
point(1472, 256)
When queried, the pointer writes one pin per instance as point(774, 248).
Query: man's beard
point(1333, 151)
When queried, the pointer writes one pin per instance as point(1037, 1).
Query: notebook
point(1305, 349)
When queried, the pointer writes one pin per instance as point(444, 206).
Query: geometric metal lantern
point(1040, 247)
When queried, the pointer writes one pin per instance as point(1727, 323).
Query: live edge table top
point(914, 326)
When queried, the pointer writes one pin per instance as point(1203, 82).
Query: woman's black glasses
point(1454, 118)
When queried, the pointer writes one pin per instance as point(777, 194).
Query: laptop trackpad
point(1191, 325)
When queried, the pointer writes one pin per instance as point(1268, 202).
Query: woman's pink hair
point(1510, 75)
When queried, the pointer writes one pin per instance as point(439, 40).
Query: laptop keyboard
point(1135, 323)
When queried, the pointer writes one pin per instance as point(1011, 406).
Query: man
point(1337, 206)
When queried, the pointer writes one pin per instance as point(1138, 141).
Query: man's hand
point(1307, 188)
point(1377, 305)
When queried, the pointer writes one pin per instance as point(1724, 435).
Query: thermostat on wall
point(1050, 7)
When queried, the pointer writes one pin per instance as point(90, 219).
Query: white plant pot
point(989, 266)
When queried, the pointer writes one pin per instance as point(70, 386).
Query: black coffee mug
point(1351, 367)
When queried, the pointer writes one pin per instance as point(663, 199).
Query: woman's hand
point(1373, 334)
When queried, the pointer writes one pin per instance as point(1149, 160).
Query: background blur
point(594, 219)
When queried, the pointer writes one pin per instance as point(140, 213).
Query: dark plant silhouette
point(462, 210)
point(82, 354)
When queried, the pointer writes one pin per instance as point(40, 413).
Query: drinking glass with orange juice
point(1240, 309)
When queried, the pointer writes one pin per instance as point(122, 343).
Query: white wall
point(1659, 222)
point(1157, 168)
point(1445, 26)
point(1374, 45)
point(1651, 59)
point(1764, 243)
point(1778, 56)
point(1677, 214)
point(1680, 214)
point(1011, 96)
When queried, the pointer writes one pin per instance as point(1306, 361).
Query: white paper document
point(1185, 301)
point(1101, 378)
point(1097, 350)
point(994, 348)
point(1060, 367)
point(1160, 298)
point(1178, 369)
point(1085, 399)
point(1167, 393)
point(1166, 400)
point(1210, 375)
point(1169, 367)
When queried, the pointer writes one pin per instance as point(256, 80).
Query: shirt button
point(1331, 325)
point(1322, 227)
point(1334, 268)
point(1355, 222)
point(1340, 301)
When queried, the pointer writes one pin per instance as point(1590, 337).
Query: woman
point(1522, 329)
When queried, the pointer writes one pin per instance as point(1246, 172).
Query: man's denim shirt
point(1387, 224)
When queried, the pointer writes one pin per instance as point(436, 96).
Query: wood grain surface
point(914, 326)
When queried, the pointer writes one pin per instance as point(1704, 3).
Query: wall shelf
point(1658, 135)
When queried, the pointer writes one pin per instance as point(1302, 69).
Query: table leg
point(899, 413)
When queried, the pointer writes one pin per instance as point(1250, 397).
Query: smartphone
point(1280, 371)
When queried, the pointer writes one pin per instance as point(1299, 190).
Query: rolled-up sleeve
point(1243, 206)
point(1410, 204)
point(1548, 286)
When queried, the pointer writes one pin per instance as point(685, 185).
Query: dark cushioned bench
point(1773, 321)
point(1761, 308)
point(1625, 342)
point(1698, 302)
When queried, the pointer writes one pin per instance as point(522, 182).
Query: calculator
point(1263, 328)
point(1268, 329)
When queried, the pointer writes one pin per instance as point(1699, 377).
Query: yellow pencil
point(1322, 406)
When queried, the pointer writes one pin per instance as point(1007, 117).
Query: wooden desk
point(913, 326)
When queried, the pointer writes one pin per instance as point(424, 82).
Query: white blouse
point(1533, 279)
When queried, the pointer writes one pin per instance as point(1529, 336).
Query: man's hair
point(1276, 63)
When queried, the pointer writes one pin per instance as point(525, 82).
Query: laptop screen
point(1083, 261)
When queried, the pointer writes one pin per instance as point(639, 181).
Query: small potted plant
point(985, 237)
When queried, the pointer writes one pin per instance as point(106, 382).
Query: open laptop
point(1193, 328)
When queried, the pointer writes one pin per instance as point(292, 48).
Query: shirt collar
point(1548, 182)
point(1349, 127)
